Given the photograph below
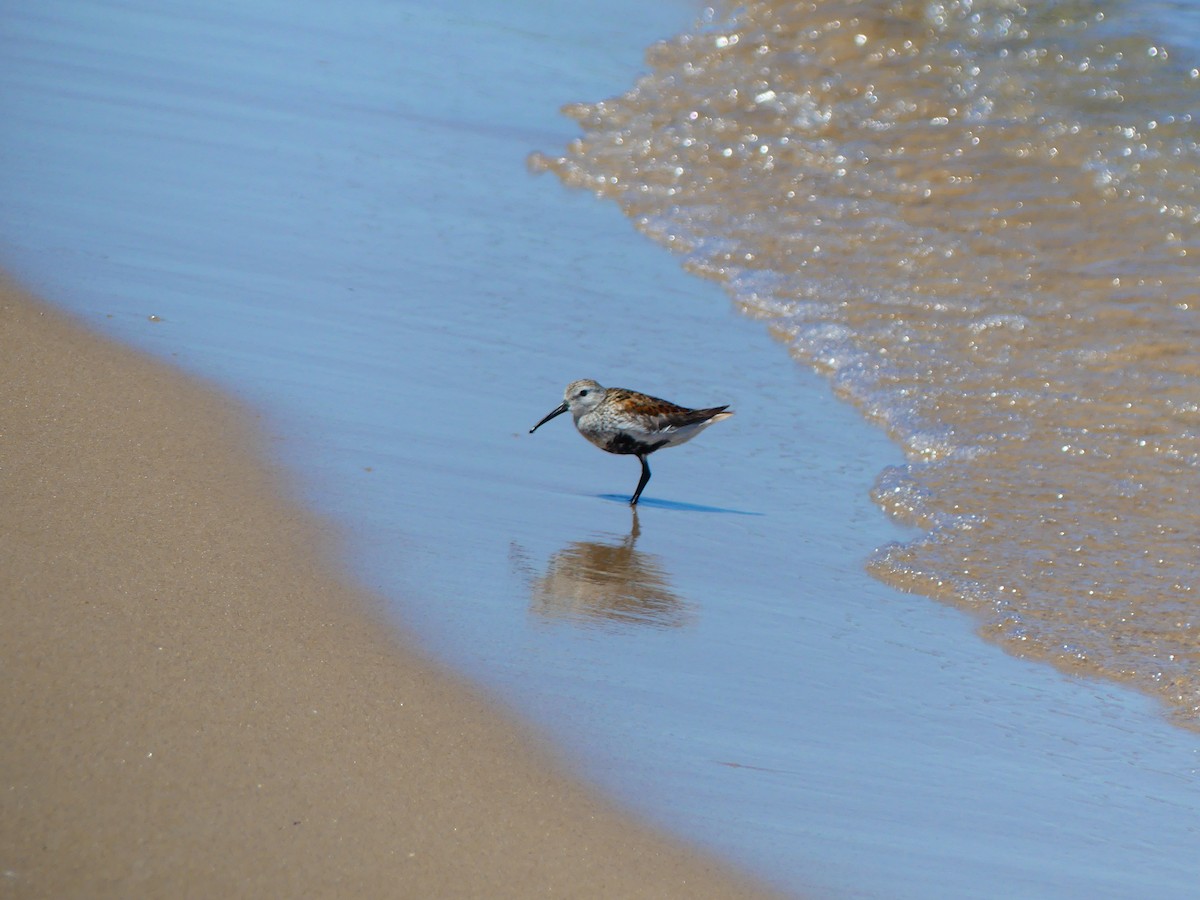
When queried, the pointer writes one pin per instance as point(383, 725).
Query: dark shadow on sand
point(651, 502)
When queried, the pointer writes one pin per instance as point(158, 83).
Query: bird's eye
point(583, 393)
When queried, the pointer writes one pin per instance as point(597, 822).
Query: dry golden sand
point(193, 704)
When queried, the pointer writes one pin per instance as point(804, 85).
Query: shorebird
point(630, 423)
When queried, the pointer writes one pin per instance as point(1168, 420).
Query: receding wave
point(979, 219)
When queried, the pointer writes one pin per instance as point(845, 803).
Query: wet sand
point(196, 704)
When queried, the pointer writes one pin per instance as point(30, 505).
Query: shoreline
point(198, 703)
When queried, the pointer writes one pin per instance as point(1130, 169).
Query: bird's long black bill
point(557, 412)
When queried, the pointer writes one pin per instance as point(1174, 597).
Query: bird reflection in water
point(603, 582)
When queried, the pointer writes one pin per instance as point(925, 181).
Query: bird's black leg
point(644, 480)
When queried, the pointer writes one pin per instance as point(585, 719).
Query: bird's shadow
point(654, 503)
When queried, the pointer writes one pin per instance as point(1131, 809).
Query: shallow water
point(327, 211)
point(980, 221)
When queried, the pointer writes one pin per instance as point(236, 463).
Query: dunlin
point(630, 423)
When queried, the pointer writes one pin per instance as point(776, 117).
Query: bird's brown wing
point(663, 413)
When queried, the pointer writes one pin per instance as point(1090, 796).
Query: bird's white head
point(582, 397)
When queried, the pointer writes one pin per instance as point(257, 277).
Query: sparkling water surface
point(980, 221)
